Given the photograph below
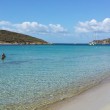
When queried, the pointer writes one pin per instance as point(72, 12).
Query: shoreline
point(81, 99)
point(95, 98)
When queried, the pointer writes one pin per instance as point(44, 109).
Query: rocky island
point(104, 41)
point(8, 37)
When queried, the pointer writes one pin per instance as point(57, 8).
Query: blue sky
point(67, 21)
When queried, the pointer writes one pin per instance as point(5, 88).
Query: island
point(9, 37)
point(103, 42)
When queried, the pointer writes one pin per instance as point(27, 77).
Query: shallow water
point(42, 74)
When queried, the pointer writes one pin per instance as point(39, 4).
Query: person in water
point(3, 56)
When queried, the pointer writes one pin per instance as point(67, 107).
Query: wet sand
point(96, 98)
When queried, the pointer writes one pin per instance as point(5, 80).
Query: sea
point(32, 76)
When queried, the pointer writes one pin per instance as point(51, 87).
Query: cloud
point(4, 23)
point(57, 28)
point(94, 26)
point(33, 27)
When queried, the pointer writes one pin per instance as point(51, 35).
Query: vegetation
point(104, 41)
point(18, 38)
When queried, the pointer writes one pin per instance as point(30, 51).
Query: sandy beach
point(96, 98)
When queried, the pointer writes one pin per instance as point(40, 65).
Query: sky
point(57, 21)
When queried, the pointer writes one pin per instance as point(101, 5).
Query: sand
point(96, 98)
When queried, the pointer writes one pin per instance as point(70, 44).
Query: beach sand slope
point(96, 98)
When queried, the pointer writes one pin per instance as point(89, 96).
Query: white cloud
point(94, 26)
point(4, 23)
point(33, 27)
point(57, 28)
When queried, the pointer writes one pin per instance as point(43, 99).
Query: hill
point(8, 37)
point(103, 41)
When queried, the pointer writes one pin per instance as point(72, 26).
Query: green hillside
point(8, 37)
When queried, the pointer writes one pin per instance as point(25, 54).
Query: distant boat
point(92, 43)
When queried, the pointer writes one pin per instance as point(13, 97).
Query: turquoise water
point(44, 73)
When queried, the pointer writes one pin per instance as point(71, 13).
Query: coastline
point(95, 98)
point(54, 101)
point(24, 44)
